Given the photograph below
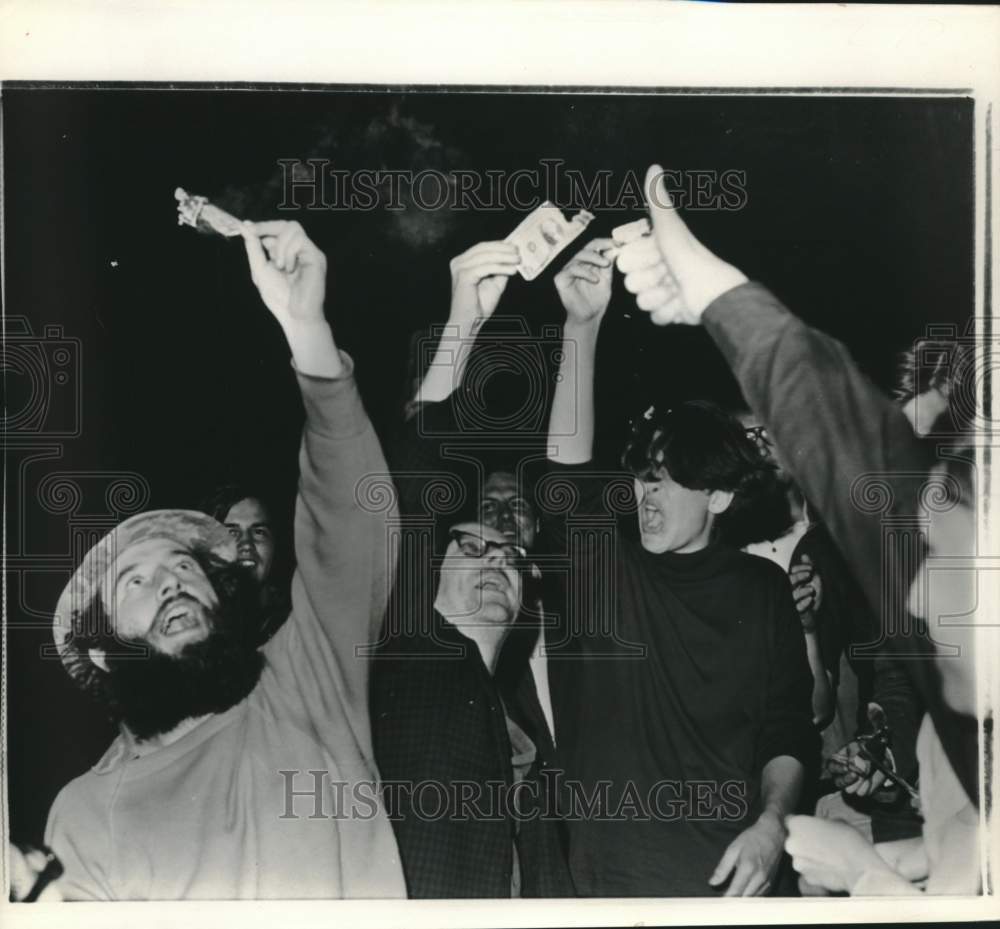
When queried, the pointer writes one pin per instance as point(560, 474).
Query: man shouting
point(221, 783)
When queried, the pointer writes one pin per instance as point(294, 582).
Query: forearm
point(345, 512)
point(822, 694)
point(313, 349)
point(447, 367)
point(571, 422)
point(780, 786)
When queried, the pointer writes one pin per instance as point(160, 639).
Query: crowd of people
point(702, 671)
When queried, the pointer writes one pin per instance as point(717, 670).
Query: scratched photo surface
point(141, 370)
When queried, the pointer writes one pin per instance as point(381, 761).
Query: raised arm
point(584, 287)
point(316, 662)
point(831, 424)
point(478, 279)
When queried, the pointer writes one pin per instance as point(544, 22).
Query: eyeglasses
point(475, 546)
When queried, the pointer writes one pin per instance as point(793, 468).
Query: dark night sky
point(859, 216)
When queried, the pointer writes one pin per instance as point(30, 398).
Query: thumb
point(668, 227)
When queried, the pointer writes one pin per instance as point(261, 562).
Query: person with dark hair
point(207, 793)
point(687, 709)
point(461, 776)
point(935, 385)
point(838, 432)
point(250, 518)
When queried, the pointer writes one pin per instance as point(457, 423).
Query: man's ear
point(719, 500)
point(99, 657)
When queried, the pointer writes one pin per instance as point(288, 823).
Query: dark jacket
point(437, 717)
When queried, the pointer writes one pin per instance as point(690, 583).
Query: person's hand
point(752, 858)
point(830, 855)
point(25, 868)
point(673, 276)
point(852, 773)
point(478, 279)
point(807, 591)
point(288, 270)
point(584, 284)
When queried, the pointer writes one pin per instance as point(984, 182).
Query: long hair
point(276, 589)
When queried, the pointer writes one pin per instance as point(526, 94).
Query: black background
point(859, 216)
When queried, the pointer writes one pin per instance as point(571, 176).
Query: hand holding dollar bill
point(198, 213)
point(542, 235)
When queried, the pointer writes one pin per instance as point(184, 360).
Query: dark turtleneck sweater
point(678, 678)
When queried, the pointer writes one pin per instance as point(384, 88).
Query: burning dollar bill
point(542, 235)
point(198, 213)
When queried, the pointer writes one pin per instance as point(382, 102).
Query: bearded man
point(211, 790)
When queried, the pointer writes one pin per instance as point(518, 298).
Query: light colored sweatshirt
point(212, 816)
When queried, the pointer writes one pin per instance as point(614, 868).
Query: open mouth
point(180, 618)
point(248, 562)
point(652, 519)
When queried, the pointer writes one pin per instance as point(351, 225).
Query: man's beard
point(152, 694)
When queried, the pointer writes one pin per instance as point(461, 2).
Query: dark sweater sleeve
point(787, 727)
point(849, 447)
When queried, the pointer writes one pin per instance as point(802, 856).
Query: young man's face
point(673, 518)
point(504, 508)
point(249, 524)
point(158, 594)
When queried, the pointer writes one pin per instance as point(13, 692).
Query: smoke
point(353, 139)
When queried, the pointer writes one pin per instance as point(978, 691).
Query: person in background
point(261, 546)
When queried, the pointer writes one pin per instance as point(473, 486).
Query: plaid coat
point(442, 747)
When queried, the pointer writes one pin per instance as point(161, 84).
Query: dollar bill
point(198, 213)
point(542, 235)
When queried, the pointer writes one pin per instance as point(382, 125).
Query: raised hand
point(584, 284)
point(288, 270)
point(673, 276)
point(478, 279)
